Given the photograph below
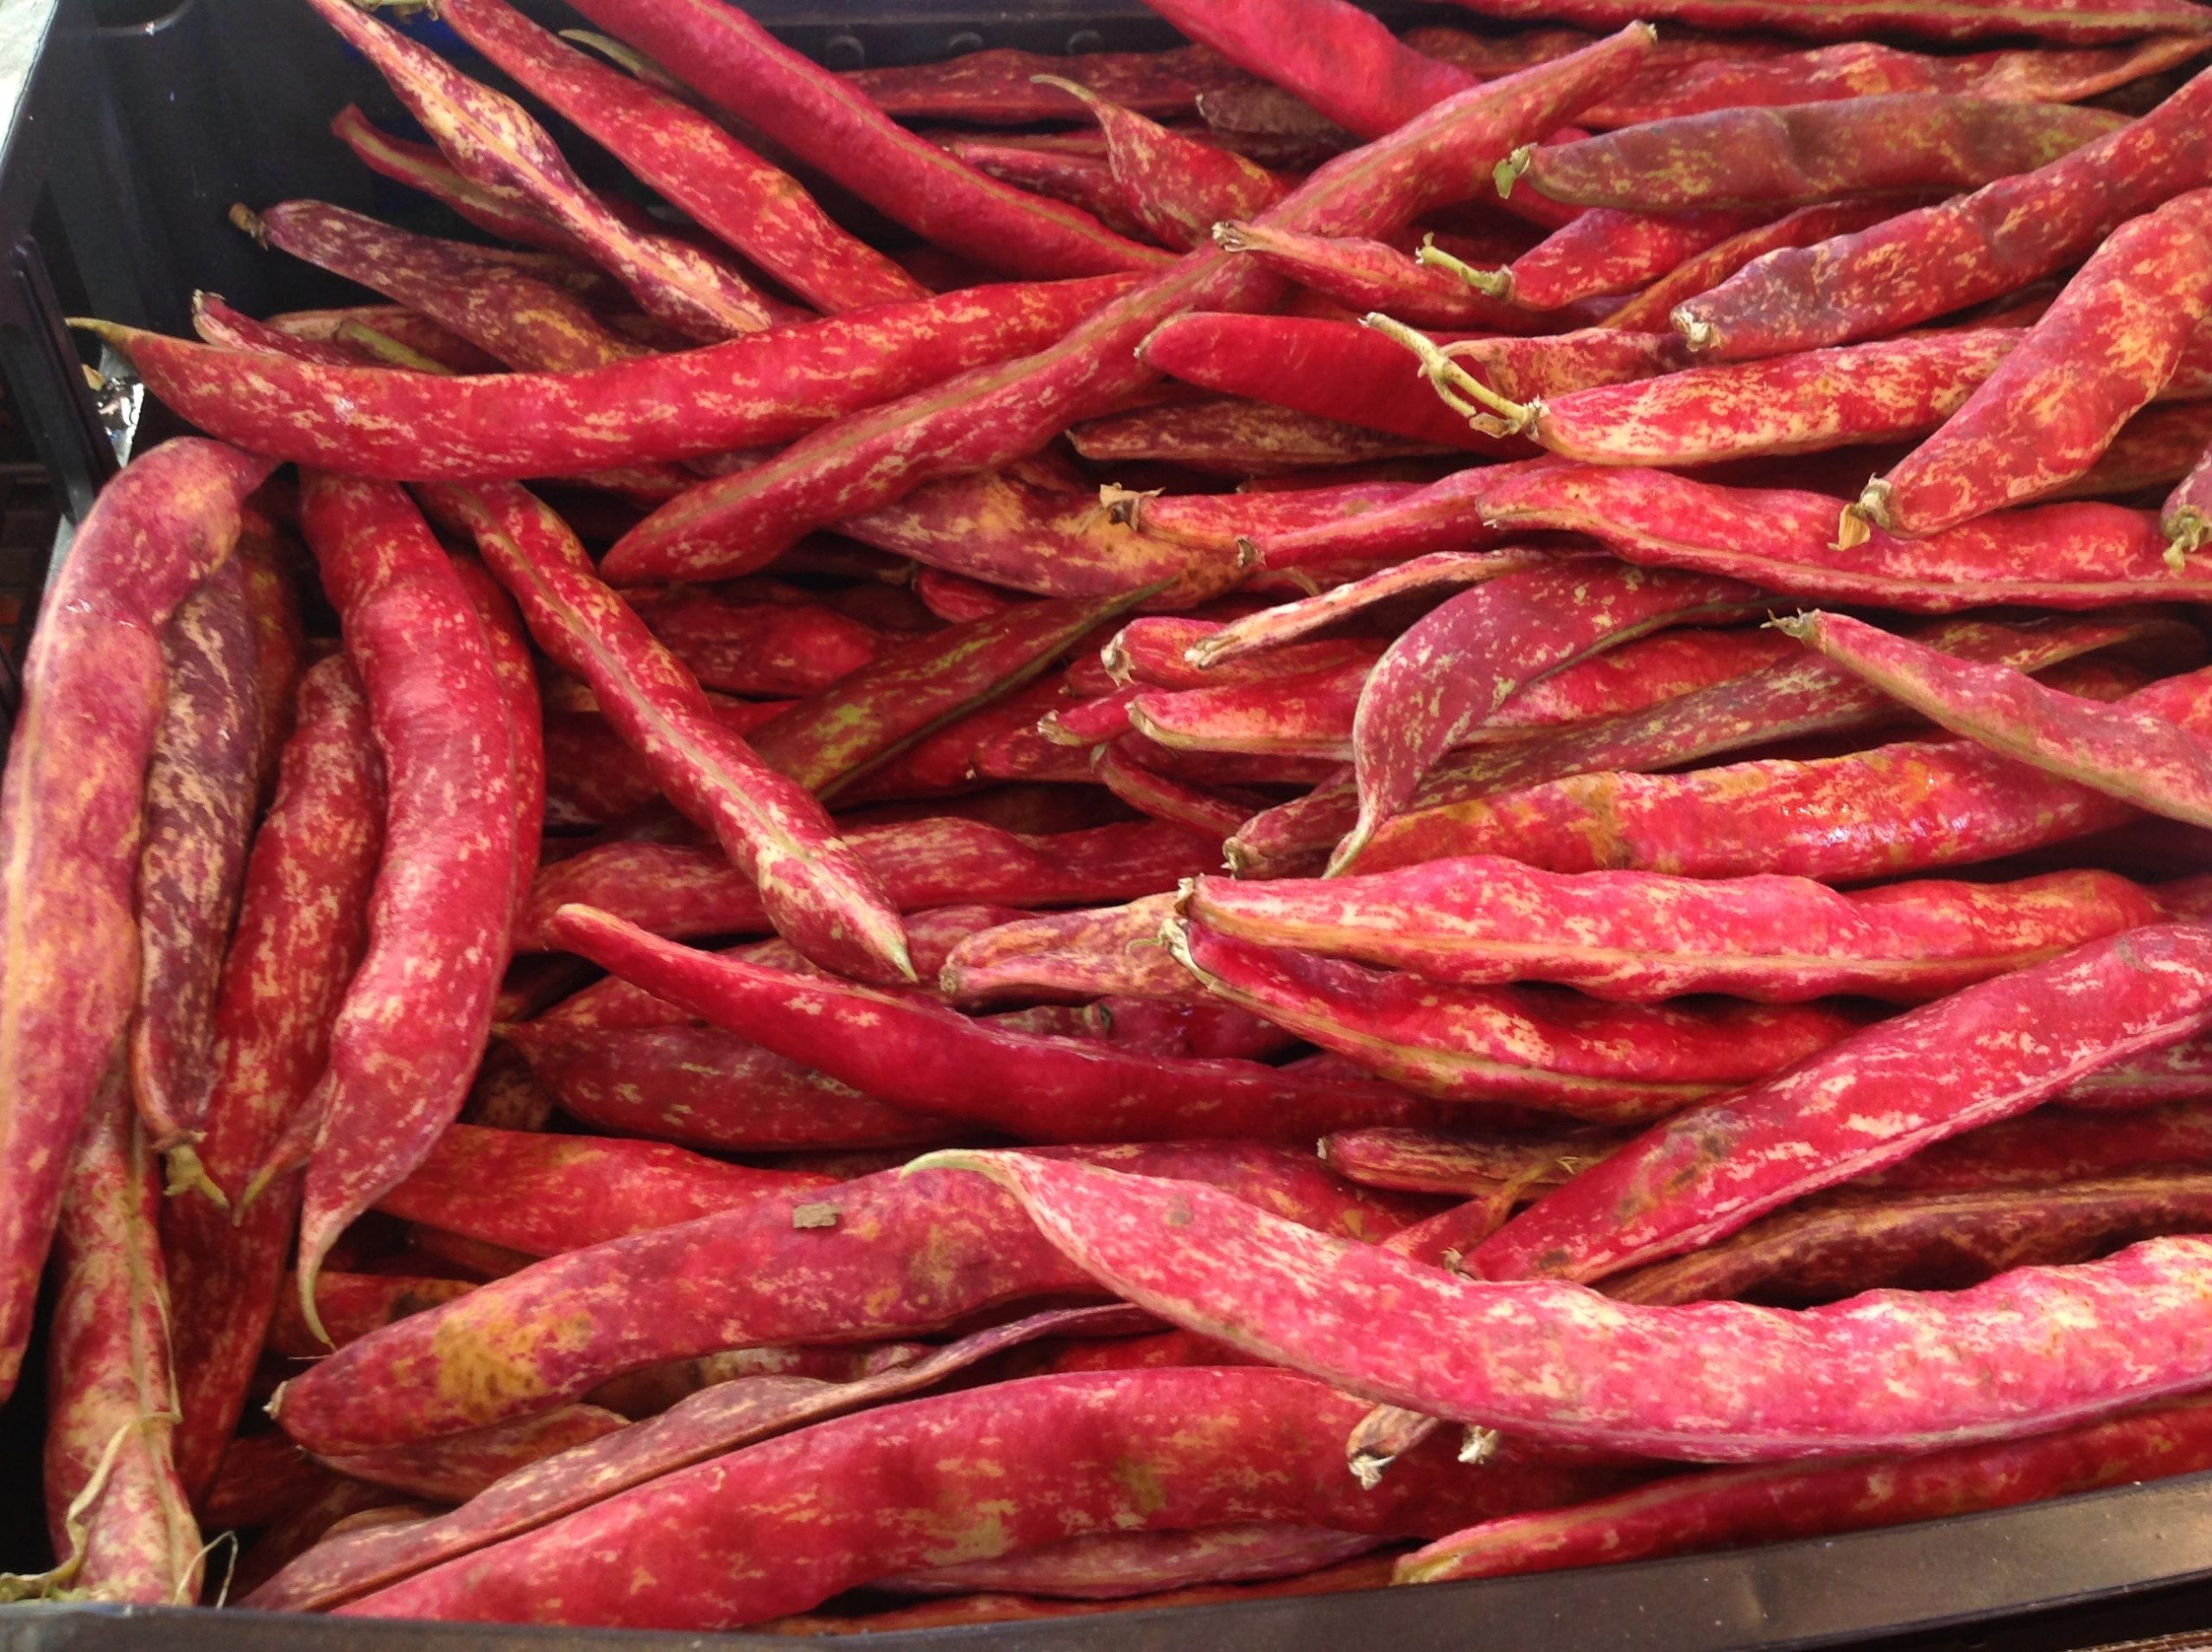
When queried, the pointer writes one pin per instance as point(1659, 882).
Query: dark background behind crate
point(144, 123)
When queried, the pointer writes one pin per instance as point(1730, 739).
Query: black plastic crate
point(142, 123)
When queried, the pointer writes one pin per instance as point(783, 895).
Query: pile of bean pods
point(689, 978)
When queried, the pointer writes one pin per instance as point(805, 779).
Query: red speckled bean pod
point(2187, 516)
point(2073, 555)
point(772, 649)
point(1113, 951)
point(1002, 529)
point(351, 1306)
point(465, 1466)
point(203, 786)
point(545, 1194)
point(1866, 69)
point(412, 1025)
point(1558, 364)
point(1649, 309)
point(1321, 368)
point(1118, 765)
point(749, 204)
point(922, 864)
point(2123, 751)
point(1178, 652)
point(1447, 515)
point(69, 823)
point(302, 922)
point(766, 388)
point(1085, 182)
point(2155, 448)
point(1343, 62)
point(706, 1088)
point(832, 125)
point(1458, 666)
point(1064, 1456)
point(981, 420)
point(118, 1514)
point(1782, 404)
point(1863, 1104)
point(1112, 1566)
point(1791, 699)
point(1850, 1241)
point(1467, 1166)
point(504, 212)
point(1606, 1063)
point(903, 1253)
point(827, 740)
point(2101, 20)
point(1645, 935)
point(999, 87)
point(507, 312)
point(2102, 351)
point(1606, 250)
point(810, 886)
point(731, 1414)
point(1203, 654)
point(917, 1054)
point(1237, 436)
point(1735, 1508)
point(1935, 259)
point(597, 780)
point(1803, 154)
point(491, 138)
point(1549, 1361)
point(1371, 275)
point(1218, 521)
point(404, 326)
point(1177, 187)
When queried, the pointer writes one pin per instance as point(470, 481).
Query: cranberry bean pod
point(1644, 935)
point(826, 740)
point(455, 1471)
point(1064, 1455)
point(2187, 516)
point(999, 87)
point(69, 830)
point(1604, 250)
point(705, 1424)
point(203, 783)
point(303, 923)
point(351, 1306)
point(1733, 1508)
point(1863, 1104)
point(1371, 275)
point(412, 1027)
point(490, 138)
point(1269, 630)
point(1809, 153)
point(1000, 528)
point(1608, 1064)
point(2106, 346)
point(512, 315)
point(1649, 309)
point(1240, 436)
point(751, 205)
point(503, 212)
point(1110, 1565)
point(1783, 404)
point(919, 1055)
point(1848, 1241)
point(705, 1088)
point(2102, 20)
point(833, 126)
point(545, 1194)
point(1935, 259)
point(922, 864)
point(2074, 556)
point(2124, 752)
point(1115, 951)
point(904, 1253)
point(1866, 69)
point(118, 1514)
point(775, 650)
point(1549, 1361)
point(1218, 521)
point(743, 393)
point(1459, 665)
point(1177, 187)
point(980, 421)
point(810, 884)
point(1209, 812)
point(1464, 1165)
